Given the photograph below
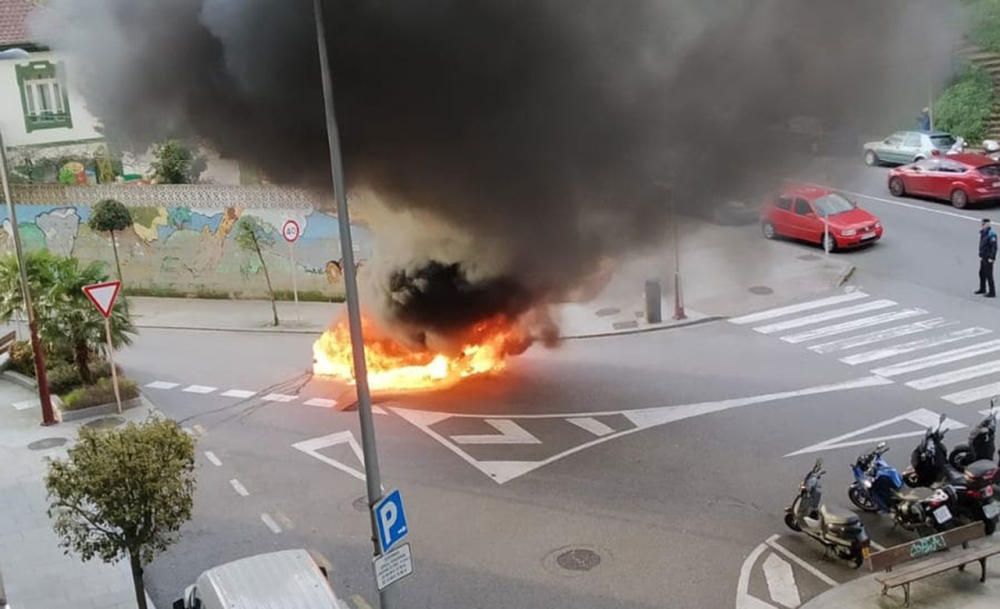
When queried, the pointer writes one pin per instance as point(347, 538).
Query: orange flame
point(392, 366)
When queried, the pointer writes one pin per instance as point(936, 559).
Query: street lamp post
point(372, 477)
point(48, 417)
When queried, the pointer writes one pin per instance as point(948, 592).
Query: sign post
point(291, 231)
point(104, 295)
point(392, 563)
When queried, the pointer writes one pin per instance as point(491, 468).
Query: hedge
point(966, 105)
point(102, 392)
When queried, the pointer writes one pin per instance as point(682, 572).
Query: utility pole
point(48, 416)
point(372, 477)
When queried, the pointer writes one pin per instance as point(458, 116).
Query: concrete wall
point(190, 250)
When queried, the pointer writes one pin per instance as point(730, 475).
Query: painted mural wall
point(187, 251)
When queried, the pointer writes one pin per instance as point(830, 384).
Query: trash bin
point(654, 300)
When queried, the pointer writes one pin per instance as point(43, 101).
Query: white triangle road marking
point(921, 417)
point(510, 433)
point(743, 598)
point(312, 447)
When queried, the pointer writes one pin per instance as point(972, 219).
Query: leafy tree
point(123, 494)
point(175, 163)
point(250, 235)
point(70, 323)
point(965, 107)
point(11, 297)
point(110, 216)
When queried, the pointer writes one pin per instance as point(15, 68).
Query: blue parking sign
point(390, 520)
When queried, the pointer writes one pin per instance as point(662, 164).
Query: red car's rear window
point(990, 170)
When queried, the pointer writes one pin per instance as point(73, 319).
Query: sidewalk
point(36, 573)
point(951, 590)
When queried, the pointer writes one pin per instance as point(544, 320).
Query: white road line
point(825, 316)
point(743, 598)
point(592, 425)
point(914, 345)
point(321, 403)
point(510, 433)
point(945, 357)
point(792, 557)
point(854, 324)
point(781, 581)
point(955, 376)
point(270, 523)
point(239, 488)
point(279, 397)
point(238, 393)
point(860, 340)
point(162, 385)
point(902, 204)
point(973, 395)
point(379, 410)
point(797, 308)
point(199, 389)
point(284, 520)
point(212, 458)
point(359, 602)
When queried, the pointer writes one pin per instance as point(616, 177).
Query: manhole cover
point(46, 443)
point(607, 311)
point(578, 559)
point(105, 423)
point(360, 504)
point(761, 290)
point(808, 257)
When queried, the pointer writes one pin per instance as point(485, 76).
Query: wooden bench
point(7, 341)
point(931, 555)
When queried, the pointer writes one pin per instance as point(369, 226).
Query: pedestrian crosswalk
point(923, 351)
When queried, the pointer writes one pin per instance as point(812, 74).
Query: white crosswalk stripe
point(816, 318)
point(938, 359)
point(797, 308)
point(912, 346)
point(853, 342)
point(973, 395)
point(854, 324)
point(955, 376)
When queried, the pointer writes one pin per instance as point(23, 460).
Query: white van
point(290, 579)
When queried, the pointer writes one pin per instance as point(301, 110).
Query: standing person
point(987, 254)
point(924, 120)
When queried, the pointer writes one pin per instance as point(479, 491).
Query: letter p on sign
point(390, 520)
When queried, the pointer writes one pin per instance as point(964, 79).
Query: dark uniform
point(987, 254)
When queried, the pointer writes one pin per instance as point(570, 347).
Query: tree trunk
point(81, 353)
point(114, 247)
point(140, 588)
point(267, 276)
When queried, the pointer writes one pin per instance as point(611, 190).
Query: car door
point(948, 176)
point(781, 216)
point(922, 176)
point(888, 150)
point(808, 226)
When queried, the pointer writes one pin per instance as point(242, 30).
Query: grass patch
point(102, 392)
point(964, 107)
point(984, 24)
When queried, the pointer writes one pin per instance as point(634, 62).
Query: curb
point(317, 330)
point(845, 275)
point(683, 324)
point(20, 379)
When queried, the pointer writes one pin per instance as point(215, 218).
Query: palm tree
point(11, 299)
point(70, 323)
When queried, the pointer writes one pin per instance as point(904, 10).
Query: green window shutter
point(44, 99)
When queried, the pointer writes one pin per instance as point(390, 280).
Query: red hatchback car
point(799, 211)
point(959, 178)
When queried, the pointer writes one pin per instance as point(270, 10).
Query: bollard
point(653, 302)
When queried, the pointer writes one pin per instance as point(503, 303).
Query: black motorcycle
point(842, 532)
point(982, 442)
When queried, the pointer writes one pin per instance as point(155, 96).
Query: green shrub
point(965, 106)
point(63, 378)
point(984, 24)
point(102, 392)
point(22, 358)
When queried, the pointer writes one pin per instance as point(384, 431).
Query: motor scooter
point(982, 442)
point(839, 531)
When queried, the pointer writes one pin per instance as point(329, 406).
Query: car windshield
point(990, 170)
point(832, 204)
point(942, 141)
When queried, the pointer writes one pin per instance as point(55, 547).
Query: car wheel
point(959, 199)
point(829, 243)
point(871, 159)
point(896, 187)
point(919, 158)
point(768, 229)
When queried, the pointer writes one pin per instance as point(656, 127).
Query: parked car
point(815, 214)
point(907, 147)
point(290, 578)
point(958, 178)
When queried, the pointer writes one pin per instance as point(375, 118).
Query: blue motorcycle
point(877, 488)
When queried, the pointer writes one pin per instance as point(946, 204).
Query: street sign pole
point(291, 232)
point(111, 360)
point(372, 476)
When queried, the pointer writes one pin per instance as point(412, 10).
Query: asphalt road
point(662, 453)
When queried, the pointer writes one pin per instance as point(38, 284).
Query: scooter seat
point(955, 477)
point(837, 516)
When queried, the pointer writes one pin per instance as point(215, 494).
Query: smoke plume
point(536, 137)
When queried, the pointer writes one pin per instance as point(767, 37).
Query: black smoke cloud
point(541, 129)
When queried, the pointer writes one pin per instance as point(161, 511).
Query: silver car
point(907, 147)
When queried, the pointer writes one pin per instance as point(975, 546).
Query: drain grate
point(761, 290)
point(105, 423)
point(46, 443)
point(578, 559)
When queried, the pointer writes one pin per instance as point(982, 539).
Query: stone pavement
point(36, 572)
point(951, 590)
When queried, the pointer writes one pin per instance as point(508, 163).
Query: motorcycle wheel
point(861, 499)
point(790, 522)
point(857, 560)
point(960, 457)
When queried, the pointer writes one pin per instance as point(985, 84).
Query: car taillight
point(984, 493)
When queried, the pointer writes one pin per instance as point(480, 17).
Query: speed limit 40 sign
point(291, 231)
